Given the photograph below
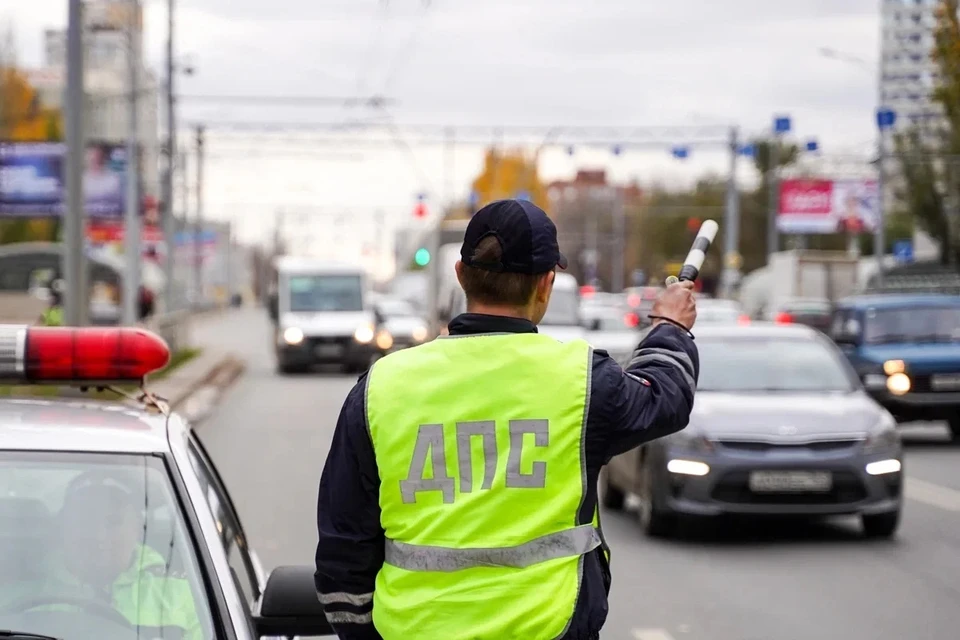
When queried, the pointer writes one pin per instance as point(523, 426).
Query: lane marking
point(932, 494)
point(651, 634)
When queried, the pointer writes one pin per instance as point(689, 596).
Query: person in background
point(53, 315)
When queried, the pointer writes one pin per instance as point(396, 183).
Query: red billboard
point(828, 206)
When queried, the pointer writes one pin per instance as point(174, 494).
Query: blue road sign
point(617, 150)
point(523, 195)
point(903, 251)
point(681, 153)
point(421, 197)
point(781, 124)
point(812, 145)
point(886, 118)
point(747, 151)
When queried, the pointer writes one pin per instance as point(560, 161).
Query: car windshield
point(396, 308)
point(913, 324)
point(325, 293)
point(744, 364)
point(82, 534)
point(564, 309)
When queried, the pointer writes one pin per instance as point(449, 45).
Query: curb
point(204, 394)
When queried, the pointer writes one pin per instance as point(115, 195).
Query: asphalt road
point(736, 582)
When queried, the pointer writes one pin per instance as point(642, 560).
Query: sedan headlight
point(691, 441)
point(293, 335)
point(419, 333)
point(364, 334)
point(384, 340)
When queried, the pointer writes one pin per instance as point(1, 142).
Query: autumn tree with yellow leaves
point(509, 174)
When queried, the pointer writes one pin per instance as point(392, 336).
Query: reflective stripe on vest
point(479, 442)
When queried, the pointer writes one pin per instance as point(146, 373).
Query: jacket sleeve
point(652, 396)
point(350, 549)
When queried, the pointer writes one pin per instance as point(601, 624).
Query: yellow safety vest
point(479, 442)
point(53, 317)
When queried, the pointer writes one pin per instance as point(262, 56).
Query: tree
point(508, 174)
point(929, 155)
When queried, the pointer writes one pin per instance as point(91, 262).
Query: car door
point(244, 563)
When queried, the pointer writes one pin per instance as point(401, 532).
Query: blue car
point(906, 349)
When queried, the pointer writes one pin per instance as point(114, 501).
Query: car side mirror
point(273, 307)
point(290, 607)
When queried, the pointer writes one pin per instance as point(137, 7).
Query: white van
point(321, 316)
point(562, 320)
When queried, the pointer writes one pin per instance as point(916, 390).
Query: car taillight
point(64, 355)
point(743, 319)
point(631, 319)
point(783, 318)
point(633, 300)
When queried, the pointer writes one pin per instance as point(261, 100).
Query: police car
point(114, 521)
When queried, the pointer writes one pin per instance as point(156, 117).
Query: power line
point(374, 102)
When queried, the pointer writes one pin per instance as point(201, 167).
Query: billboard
point(828, 206)
point(33, 179)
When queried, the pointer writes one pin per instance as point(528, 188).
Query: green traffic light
point(422, 257)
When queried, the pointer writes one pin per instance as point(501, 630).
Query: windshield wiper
point(6, 633)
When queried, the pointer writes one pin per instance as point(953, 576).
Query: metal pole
point(731, 223)
point(131, 236)
point(76, 305)
point(773, 237)
point(180, 292)
point(198, 224)
point(878, 235)
point(167, 220)
point(619, 260)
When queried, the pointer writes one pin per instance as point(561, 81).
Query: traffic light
point(422, 257)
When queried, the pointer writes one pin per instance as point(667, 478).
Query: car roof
point(897, 300)
point(83, 425)
point(754, 329)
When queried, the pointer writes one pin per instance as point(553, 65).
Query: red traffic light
point(693, 225)
point(420, 211)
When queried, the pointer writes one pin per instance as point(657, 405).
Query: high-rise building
point(908, 75)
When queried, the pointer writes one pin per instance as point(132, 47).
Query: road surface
point(763, 582)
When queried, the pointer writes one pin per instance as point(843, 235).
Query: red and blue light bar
point(79, 356)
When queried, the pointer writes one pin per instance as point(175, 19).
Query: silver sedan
point(781, 426)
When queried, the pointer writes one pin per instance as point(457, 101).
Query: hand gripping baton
point(698, 252)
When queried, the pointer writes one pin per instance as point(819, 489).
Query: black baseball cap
point(527, 236)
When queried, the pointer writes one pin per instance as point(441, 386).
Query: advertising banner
point(828, 206)
point(33, 179)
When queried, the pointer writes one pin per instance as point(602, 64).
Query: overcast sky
point(540, 62)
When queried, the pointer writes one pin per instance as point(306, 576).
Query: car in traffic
point(812, 312)
point(321, 315)
point(562, 319)
point(720, 311)
point(781, 426)
point(401, 322)
point(906, 349)
point(613, 329)
point(88, 487)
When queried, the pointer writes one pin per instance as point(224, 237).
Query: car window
point(77, 527)
point(228, 522)
point(913, 324)
point(325, 293)
point(744, 364)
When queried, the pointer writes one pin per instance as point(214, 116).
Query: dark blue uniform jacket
point(649, 399)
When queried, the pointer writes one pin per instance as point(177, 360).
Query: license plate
point(942, 381)
point(328, 350)
point(790, 481)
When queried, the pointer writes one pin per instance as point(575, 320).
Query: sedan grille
point(822, 446)
point(734, 488)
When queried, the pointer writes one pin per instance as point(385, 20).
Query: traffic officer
point(105, 560)
point(52, 316)
point(459, 497)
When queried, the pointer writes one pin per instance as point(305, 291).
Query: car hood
point(919, 358)
point(328, 323)
point(784, 416)
point(403, 325)
point(563, 333)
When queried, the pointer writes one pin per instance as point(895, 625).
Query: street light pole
point(731, 231)
point(131, 249)
point(169, 228)
point(198, 224)
point(76, 303)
